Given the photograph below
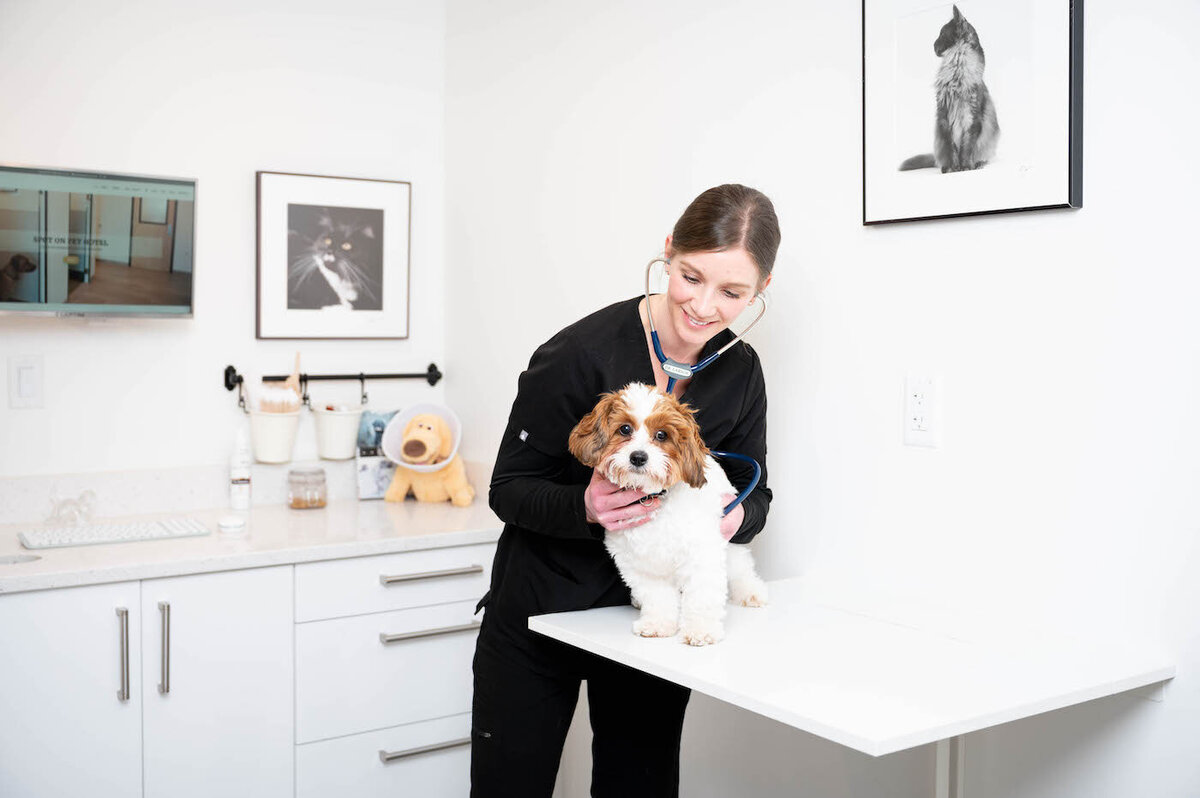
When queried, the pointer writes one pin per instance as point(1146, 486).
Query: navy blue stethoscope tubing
point(741, 497)
point(667, 363)
point(674, 369)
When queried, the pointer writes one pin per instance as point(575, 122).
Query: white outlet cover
point(922, 417)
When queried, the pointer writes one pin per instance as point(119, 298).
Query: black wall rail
point(234, 380)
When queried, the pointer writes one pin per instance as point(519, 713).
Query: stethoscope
point(681, 371)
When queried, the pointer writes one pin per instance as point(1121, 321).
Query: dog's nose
point(414, 448)
point(638, 459)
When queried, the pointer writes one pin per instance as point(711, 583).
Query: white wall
point(1067, 342)
point(573, 135)
point(216, 91)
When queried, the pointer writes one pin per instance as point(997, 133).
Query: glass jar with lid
point(306, 488)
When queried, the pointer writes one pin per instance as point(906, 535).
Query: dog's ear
point(692, 452)
point(590, 435)
point(442, 428)
point(692, 456)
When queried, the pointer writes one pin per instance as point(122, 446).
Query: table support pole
point(949, 769)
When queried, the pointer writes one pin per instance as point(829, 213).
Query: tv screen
point(74, 242)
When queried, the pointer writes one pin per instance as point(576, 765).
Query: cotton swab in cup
point(282, 397)
point(273, 398)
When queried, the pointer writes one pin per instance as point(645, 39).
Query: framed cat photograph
point(333, 256)
point(971, 107)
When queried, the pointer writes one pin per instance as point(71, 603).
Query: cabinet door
point(64, 727)
point(217, 684)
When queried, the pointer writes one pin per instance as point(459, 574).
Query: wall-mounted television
point(75, 242)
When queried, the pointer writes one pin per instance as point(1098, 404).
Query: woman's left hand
point(731, 523)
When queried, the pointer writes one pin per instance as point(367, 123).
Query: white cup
point(337, 432)
point(273, 435)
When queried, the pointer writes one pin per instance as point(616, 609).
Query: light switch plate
point(25, 382)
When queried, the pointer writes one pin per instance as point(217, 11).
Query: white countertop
point(275, 535)
point(865, 681)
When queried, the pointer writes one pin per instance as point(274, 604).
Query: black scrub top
point(549, 559)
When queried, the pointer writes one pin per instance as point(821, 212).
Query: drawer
point(353, 766)
point(337, 588)
point(348, 680)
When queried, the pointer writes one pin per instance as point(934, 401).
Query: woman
point(551, 556)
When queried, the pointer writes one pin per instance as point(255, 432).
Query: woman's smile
point(705, 293)
point(694, 322)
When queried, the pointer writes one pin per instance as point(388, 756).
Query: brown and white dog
point(11, 272)
point(678, 567)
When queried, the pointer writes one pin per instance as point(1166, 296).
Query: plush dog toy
point(427, 441)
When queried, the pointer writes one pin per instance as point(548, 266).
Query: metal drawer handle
point(164, 609)
point(123, 692)
point(391, 756)
point(445, 630)
point(392, 580)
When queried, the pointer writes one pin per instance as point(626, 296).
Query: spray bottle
point(239, 472)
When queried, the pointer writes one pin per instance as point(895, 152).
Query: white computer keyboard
point(52, 537)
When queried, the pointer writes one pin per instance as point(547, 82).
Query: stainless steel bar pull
point(445, 630)
point(123, 691)
point(397, 579)
point(391, 756)
point(164, 609)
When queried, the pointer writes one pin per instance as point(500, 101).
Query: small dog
point(11, 272)
point(678, 567)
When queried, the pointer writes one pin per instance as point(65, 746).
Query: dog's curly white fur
point(678, 567)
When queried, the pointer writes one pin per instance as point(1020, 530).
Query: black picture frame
point(1036, 161)
point(361, 291)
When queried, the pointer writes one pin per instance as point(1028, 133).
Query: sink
point(16, 559)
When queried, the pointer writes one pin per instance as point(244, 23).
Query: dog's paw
point(655, 627)
point(703, 635)
point(749, 594)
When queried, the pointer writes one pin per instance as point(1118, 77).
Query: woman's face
point(706, 291)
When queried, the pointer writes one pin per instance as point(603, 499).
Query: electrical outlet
point(922, 420)
point(25, 382)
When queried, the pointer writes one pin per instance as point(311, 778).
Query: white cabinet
point(342, 677)
point(66, 727)
point(348, 680)
point(383, 672)
point(217, 684)
point(399, 762)
point(219, 723)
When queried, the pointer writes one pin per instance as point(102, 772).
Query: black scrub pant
point(526, 688)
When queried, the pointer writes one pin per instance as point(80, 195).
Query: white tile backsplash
point(176, 490)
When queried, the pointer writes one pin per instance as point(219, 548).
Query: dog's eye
point(661, 435)
point(625, 430)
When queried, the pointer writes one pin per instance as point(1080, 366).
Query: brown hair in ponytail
point(727, 217)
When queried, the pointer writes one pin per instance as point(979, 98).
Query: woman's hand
point(731, 523)
point(614, 508)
